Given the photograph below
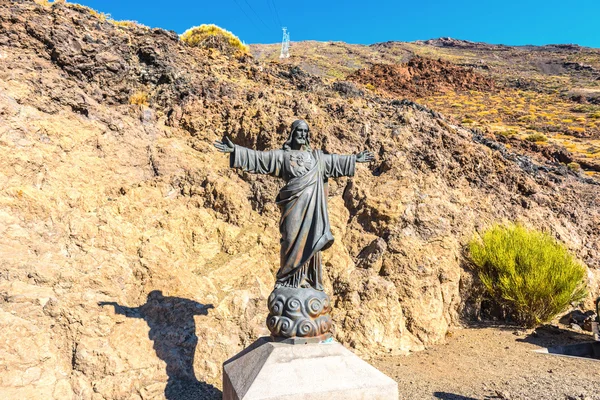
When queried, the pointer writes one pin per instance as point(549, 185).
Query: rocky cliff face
point(134, 261)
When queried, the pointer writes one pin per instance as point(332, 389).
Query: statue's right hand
point(226, 146)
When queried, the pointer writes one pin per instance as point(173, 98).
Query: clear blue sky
point(259, 21)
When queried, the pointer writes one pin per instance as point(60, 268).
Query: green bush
point(531, 275)
point(536, 137)
point(212, 36)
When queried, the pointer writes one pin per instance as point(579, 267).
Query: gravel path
point(486, 362)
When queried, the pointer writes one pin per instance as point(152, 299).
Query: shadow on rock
point(550, 335)
point(173, 332)
point(451, 396)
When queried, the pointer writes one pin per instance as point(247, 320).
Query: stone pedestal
point(320, 371)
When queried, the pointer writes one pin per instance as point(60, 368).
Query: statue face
point(300, 136)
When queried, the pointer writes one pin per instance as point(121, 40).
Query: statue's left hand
point(226, 146)
point(365, 156)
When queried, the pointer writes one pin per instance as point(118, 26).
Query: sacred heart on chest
point(300, 163)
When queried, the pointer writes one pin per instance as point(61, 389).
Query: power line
point(244, 11)
point(276, 13)
point(272, 13)
point(255, 13)
point(248, 16)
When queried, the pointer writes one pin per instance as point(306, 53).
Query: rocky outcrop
point(462, 44)
point(134, 261)
point(421, 77)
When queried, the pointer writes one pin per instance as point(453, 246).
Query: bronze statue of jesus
point(304, 223)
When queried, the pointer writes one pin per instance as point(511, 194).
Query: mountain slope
point(549, 92)
point(135, 261)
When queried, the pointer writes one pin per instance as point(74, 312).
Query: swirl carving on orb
point(273, 323)
point(306, 328)
point(324, 323)
point(287, 327)
point(276, 304)
point(294, 304)
point(314, 307)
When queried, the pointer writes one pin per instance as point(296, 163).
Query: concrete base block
point(321, 371)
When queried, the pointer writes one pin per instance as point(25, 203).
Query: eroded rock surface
point(421, 77)
point(134, 261)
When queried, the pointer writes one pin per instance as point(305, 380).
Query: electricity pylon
point(285, 44)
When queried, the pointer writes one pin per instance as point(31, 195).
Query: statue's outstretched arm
point(337, 165)
point(258, 162)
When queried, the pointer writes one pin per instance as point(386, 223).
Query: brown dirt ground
point(496, 362)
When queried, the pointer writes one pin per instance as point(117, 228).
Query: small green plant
point(527, 118)
point(573, 166)
point(212, 36)
point(527, 272)
point(584, 108)
point(536, 137)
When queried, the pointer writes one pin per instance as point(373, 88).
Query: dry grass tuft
point(139, 98)
point(100, 15)
point(536, 137)
point(128, 24)
point(48, 3)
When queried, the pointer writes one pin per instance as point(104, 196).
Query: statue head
point(299, 137)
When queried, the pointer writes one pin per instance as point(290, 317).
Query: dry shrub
point(139, 98)
point(536, 137)
point(212, 36)
point(527, 272)
point(128, 24)
point(576, 129)
point(100, 15)
point(47, 3)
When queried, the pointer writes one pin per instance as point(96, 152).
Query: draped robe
point(304, 223)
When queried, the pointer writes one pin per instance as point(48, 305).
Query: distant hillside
point(135, 261)
point(542, 92)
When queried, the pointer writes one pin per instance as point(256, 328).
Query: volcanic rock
point(135, 261)
point(421, 77)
